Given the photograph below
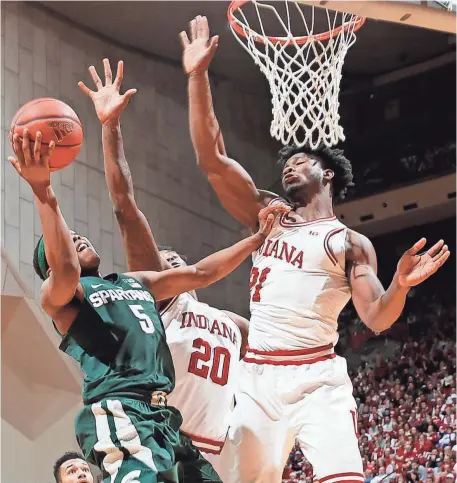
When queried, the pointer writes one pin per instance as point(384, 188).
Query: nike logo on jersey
point(96, 286)
point(189, 319)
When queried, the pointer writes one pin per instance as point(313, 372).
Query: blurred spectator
point(407, 404)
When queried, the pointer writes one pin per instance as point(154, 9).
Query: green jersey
point(119, 340)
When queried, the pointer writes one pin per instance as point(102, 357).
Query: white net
point(303, 68)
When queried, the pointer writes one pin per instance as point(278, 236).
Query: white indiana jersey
point(298, 286)
point(205, 345)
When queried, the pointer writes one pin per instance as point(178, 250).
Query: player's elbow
point(69, 273)
point(210, 162)
point(125, 207)
point(204, 276)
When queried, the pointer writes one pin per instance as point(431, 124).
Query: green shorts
point(133, 441)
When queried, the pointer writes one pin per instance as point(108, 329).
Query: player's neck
point(319, 206)
point(91, 273)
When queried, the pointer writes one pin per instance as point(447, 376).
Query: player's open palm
point(198, 52)
point(31, 163)
point(414, 267)
point(108, 101)
point(268, 215)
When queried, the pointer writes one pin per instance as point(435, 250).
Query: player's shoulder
point(358, 245)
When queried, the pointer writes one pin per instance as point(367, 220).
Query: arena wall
point(44, 56)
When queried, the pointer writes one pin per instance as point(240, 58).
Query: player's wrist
point(398, 284)
point(44, 193)
point(198, 73)
point(112, 124)
point(259, 238)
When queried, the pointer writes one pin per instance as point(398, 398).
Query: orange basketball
point(57, 122)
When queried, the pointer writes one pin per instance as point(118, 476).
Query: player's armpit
point(376, 307)
point(235, 189)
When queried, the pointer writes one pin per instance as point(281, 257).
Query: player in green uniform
point(111, 327)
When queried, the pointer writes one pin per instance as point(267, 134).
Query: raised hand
point(268, 215)
point(198, 52)
point(31, 164)
point(413, 268)
point(108, 102)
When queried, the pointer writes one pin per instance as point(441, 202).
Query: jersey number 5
point(255, 285)
point(145, 321)
point(220, 355)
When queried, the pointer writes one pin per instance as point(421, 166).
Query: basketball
point(57, 122)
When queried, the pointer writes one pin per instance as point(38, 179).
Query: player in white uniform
point(292, 385)
point(206, 343)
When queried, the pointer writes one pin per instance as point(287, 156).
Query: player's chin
point(291, 188)
point(89, 259)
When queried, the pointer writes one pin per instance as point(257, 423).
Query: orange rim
point(355, 24)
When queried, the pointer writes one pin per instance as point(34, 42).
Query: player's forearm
point(204, 127)
point(386, 310)
point(59, 247)
point(140, 247)
point(117, 171)
point(222, 263)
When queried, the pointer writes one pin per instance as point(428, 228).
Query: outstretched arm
point(233, 185)
point(175, 281)
point(379, 308)
point(139, 244)
point(63, 282)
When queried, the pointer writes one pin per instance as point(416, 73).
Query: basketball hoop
point(303, 71)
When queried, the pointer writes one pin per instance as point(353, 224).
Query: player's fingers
point(440, 262)
point(95, 78)
point(126, 97)
point(15, 164)
point(444, 248)
point(435, 248)
point(193, 29)
point(26, 147)
point(200, 29)
point(269, 223)
point(85, 89)
point(203, 27)
point(119, 74)
point(129, 94)
point(184, 39)
point(17, 147)
point(214, 42)
point(45, 159)
point(108, 73)
point(417, 247)
point(37, 147)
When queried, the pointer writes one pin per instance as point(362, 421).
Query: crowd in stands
point(407, 404)
point(377, 175)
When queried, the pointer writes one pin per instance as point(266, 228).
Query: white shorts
point(277, 404)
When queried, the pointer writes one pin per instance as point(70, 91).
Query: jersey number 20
point(221, 355)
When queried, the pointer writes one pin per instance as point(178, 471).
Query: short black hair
point(69, 455)
point(331, 158)
point(36, 265)
point(167, 248)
